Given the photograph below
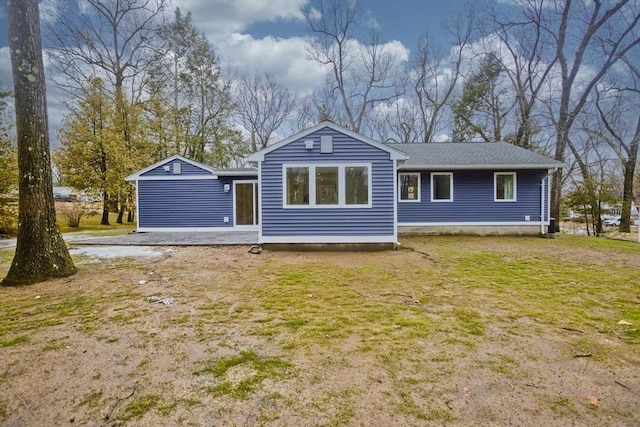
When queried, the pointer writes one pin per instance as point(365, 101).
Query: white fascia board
point(328, 239)
point(177, 178)
point(259, 155)
point(474, 167)
point(237, 173)
point(138, 174)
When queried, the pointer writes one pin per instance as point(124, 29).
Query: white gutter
point(542, 206)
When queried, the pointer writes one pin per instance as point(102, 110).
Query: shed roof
point(471, 155)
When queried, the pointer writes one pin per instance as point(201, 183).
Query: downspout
point(137, 206)
point(395, 203)
point(542, 233)
point(548, 176)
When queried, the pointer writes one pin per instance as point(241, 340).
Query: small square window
point(504, 186)
point(442, 187)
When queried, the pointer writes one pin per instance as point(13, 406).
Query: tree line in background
point(558, 77)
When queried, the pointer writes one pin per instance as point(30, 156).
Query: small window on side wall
point(442, 187)
point(504, 186)
point(409, 186)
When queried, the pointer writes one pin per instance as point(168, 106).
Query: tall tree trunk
point(105, 209)
point(41, 253)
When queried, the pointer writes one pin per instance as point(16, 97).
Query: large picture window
point(409, 186)
point(327, 185)
point(504, 186)
point(441, 187)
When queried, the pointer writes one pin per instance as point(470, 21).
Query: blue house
point(331, 185)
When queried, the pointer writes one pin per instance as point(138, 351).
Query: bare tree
point(362, 76)
point(578, 27)
point(528, 58)
point(113, 40)
point(617, 105)
point(262, 105)
point(110, 39)
point(41, 252)
point(434, 77)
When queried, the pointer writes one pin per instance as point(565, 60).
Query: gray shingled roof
point(471, 155)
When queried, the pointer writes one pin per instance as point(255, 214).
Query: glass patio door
point(246, 203)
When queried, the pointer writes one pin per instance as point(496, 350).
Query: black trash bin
point(551, 230)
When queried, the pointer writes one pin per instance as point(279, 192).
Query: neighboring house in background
point(331, 185)
point(64, 194)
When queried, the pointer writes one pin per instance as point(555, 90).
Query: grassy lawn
point(446, 331)
point(90, 221)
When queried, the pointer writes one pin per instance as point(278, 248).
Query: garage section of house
point(178, 194)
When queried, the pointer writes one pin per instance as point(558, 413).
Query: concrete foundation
point(474, 230)
point(329, 247)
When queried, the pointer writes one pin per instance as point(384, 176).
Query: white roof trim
point(137, 175)
point(484, 166)
point(249, 172)
point(259, 155)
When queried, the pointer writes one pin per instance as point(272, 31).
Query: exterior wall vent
point(326, 144)
point(308, 144)
point(177, 168)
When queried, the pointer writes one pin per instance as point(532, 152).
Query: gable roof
point(259, 155)
point(472, 155)
point(137, 175)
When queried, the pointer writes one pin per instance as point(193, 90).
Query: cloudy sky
point(270, 35)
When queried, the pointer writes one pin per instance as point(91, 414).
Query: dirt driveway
point(447, 331)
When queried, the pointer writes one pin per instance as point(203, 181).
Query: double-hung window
point(442, 187)
point(409, 186)
point(327, 185)
point(504, 186)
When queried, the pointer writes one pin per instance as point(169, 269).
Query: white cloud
point(221, 17)
point(285, 59)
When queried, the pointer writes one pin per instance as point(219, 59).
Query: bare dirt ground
point(447, 331)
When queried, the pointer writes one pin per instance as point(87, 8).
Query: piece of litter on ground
point(142, 282)
point(156, 298)
point(624, 322)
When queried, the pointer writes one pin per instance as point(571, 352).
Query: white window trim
point(400, 199)
point(450, 175)
point(495, 187)
point(312, 185)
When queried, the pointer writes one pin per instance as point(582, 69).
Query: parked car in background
point(612, 222)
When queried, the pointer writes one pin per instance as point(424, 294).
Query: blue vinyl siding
point(473, 200)
point(377, 220)
point(187, 169)
point(185, 203)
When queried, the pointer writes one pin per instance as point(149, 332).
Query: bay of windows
point(327, 185)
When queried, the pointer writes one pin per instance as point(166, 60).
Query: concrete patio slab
point(219, 238)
